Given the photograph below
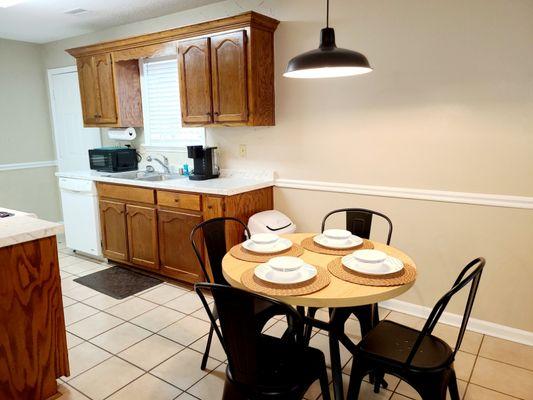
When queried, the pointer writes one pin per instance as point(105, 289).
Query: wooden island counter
point(33, 346)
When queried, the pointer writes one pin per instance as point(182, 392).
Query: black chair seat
point(394, 342)
point(280, 367)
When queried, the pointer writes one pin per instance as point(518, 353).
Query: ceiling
point(41, 21)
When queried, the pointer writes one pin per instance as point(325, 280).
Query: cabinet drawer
point(128, 193)
point(179, 200)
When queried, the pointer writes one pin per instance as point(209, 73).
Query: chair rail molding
point(28, 165)
point(474, 324)
point(482, 199)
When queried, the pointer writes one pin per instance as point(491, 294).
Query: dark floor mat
point(118, 282)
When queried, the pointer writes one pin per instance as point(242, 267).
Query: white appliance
point(80, 215)
point(271, 221)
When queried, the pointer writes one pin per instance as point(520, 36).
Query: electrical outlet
point(242, 150)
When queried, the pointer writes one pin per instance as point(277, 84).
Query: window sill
point(165, 149)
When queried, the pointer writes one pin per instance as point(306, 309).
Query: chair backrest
point(470, 274)
point(359, 221)
point(241, 319)
point(214, 234)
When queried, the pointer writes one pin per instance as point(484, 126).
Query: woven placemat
point(255, 284)
point(406, 275)
point(241, 253)
point(309, 244)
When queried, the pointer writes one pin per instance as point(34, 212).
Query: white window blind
point(161, 106)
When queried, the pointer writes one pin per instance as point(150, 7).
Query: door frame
point(51, 72)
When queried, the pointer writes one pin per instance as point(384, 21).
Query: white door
point(72, 139)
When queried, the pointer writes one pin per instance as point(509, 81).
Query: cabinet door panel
point(114, 235)
point(195, 81)
point(142, 236)
point(88, 89)
point(177, 257)
point(106, 89)
point(228, 65)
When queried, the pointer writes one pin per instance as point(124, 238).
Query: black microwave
point(113, 159)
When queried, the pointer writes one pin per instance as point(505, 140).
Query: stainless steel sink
point(158, 177)
point(145, 176)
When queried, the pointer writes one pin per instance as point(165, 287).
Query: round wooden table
point(340, 297)
point(338, 293)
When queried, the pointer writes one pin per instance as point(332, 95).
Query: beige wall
point(448, 107)
point(25, 133)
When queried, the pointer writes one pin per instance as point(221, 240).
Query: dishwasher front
point(81, 217)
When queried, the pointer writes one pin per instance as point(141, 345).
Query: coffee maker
point(205, 166)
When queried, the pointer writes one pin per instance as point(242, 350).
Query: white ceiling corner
point(42, 21)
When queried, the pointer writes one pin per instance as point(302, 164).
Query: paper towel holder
point(122, 134)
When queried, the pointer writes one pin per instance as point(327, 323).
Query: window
point(161, 106)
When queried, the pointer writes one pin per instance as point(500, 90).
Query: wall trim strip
point(28, 165)
point(476, 325)
point(483, 199)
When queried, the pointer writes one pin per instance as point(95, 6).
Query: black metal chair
point(261, 366)
point(214, 237)
point(419, 358)
point(359, 222)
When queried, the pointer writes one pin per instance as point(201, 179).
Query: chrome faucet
point(163, 163)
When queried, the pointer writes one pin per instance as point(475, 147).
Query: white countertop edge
point(235, 185)
point(20, 229)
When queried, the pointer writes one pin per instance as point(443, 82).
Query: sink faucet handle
point(165, 159)
point(149, 158)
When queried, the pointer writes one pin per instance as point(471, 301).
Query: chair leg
point(311, 312)
point(356, 378)
point(324, 384)
point(207, 348)
point(452, 386)
point(336, 367)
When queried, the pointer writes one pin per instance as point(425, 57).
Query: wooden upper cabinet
point(106, 90)
point(241, 78)
point(228, 66)
point(110, 92)
point(87, 77)
point(226, 73)
point(114, 233)
point(195, 81)
point(142, 236)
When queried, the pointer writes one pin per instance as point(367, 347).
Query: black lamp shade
point(327, 61)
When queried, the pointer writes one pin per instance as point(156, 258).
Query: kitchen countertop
point(229, 183)
point(25, 227)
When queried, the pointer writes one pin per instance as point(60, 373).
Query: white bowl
point(286, 263)
point(337, 234)
point(370, 256)
point(264, 238)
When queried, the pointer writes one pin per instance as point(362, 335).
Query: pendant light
point(328, 61)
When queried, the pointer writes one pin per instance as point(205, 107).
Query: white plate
point(280, 245)
point(389, 266)
point(286, 263)
point(338, 244)
point(266, 273)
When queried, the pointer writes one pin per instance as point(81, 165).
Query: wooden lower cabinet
point(114, 232)
point(150, 229)
point(177, 256)
point(142, 236)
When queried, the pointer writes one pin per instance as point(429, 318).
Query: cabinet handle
point(216, 113)
point(208, 114)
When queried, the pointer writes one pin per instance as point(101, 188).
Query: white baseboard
point(476, 325)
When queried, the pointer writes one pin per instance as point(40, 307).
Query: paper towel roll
point(122, 134)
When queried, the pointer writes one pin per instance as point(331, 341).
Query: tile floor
point(149, 346)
